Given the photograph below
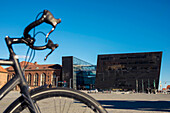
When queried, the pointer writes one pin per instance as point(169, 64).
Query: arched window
point(29, 79)
point(8, 77)
point(36, 79)
point(54, 80)
point(43, 79)
point(12, 76)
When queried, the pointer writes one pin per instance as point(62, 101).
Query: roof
point(168, 87)
point(158, 52)
point(2, 69)
point(35, 66)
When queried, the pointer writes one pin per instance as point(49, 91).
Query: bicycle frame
point(19, 78)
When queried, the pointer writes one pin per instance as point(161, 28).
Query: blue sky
point(92, 27)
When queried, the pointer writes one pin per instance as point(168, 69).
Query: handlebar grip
point(32, 25)
point(49, 45)
point(49, 18)
point(46, 17)
point(38, 47)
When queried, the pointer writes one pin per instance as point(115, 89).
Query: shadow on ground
point(163, 106)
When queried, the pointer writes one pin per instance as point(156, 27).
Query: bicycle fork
point(18, 78)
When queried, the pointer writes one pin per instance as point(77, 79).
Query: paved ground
point(119, 103)
point(134, 103)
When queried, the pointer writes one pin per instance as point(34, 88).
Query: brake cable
point(48, 18)
point(26, 63)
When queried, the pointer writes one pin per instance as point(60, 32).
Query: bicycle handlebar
point(49, 45)
point(47, 17)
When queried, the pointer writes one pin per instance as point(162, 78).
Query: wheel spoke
point(62, 101)
point(64, 105)
point(60, 104)
point(55, 105)
point(69, 106)
point(37, 107)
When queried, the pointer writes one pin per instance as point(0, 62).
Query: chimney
point(35, 63)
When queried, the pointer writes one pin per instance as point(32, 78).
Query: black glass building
point(131, 71)
point(77, 73)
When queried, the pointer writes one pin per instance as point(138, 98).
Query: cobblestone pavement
point(118, 103)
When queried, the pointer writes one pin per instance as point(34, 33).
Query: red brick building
point(3, 76)
point(168, 87)
point(39, 74)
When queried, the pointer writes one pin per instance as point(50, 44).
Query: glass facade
point(77, 73)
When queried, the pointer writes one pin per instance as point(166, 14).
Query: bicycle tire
point(81, 99)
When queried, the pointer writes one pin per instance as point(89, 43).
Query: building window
point(36, 79)
point(9, 77)
point(29, 79)
point(13, 75)
point(43, 79)
point(54, 80)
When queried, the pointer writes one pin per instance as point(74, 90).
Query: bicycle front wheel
point(58, 100)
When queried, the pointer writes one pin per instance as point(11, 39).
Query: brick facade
point(3, 76)
point(38, 75)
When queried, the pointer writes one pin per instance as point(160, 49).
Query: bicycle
point(42, 99)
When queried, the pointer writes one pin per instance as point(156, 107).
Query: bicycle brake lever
point(48, 55)
point(52, 46)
